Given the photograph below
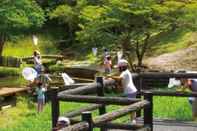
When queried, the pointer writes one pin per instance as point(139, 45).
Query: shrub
point(56, 68)
point(9, 71)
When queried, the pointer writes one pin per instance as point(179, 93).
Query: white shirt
point(127, 82)
point(37, 61)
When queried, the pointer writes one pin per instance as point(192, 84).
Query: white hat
point(122, 62)
point(64, 119)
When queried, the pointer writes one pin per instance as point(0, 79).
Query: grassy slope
point(23, 45)
point(174, 41)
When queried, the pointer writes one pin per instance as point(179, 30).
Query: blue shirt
point(40, 93)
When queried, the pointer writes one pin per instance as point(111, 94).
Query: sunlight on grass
point(173, 42)
point(25, 47)
point(172, 107)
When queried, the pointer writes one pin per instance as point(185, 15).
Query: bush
point(9, 71)
point(56, 68)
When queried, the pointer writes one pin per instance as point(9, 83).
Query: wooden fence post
point(87, 116)
point(100, 92)
point(139, 85)
point(148, 111)
point(55, 106)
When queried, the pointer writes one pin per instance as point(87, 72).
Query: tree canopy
point(17, 16)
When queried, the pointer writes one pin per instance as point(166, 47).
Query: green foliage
point(23, 45)
point(132, 25)
point(172, 107)
point(9, 71)
point(20, 14)
point(57, 68)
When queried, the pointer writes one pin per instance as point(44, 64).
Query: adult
point(126, 82)
point(192, 84)
point(37, 61)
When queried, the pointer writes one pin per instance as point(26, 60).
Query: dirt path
point(181, 59)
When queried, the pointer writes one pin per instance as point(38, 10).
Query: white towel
point(67, 79)
point(173, 83)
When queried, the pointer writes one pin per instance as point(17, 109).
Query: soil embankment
point(181, 59)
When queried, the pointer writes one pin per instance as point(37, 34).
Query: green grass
point(172, 107)
point(173, 41)
point(23, 46)
point(24, 117)
point(11, 81)
point(9, 71)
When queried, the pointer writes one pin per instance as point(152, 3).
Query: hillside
point(181, 59)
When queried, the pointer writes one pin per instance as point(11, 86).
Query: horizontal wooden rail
point(170, 93)
point(60, 57)
point(167, 75)
point(83, 109)
point(122, 126)
point(98, 100)
point(120, 112)
point(82, 126)
point(80, 90)
point(91, 88)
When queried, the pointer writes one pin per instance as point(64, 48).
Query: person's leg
point(194, 109)
point(133, 115)
point(42, 105)
point(39, 105)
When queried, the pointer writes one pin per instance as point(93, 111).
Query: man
point(126, 82)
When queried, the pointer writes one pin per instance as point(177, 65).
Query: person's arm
point(118, 80)
point(189, 84)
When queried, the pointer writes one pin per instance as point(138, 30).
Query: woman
point(37, 61)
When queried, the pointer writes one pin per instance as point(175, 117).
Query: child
point(40, 91)
point(108, 64)
point(37, 61)
point(61, 123)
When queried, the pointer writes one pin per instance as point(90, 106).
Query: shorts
point(107, 70)
point(41, 101)
point(131, 95)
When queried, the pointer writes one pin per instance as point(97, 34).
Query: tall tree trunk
point(140, 54)
point(2, 42)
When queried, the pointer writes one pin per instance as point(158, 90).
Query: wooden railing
point(56, 57)
point(10, 61)
point(100, 102)
point(104, 120)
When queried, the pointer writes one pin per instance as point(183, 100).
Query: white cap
point(64, 119)
point(122, 62)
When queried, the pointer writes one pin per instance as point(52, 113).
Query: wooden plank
point(120, 112)
point(60, 57)
point(82, 126)
point(98, 100)
point(8, 91)
point(171, 93)
point(91, 88)
point(120, 126)
point(167, 75)
point(83, 109)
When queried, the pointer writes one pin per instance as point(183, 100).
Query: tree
point(17, 16)
point(134, 25)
